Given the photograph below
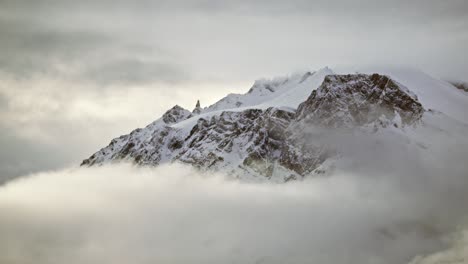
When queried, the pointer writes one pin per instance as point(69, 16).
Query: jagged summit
point(176, 114)
point(359, 99)
point(264, 134)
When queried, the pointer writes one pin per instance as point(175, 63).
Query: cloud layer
point(172, 214)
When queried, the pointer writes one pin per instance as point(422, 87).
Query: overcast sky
point(75, 74)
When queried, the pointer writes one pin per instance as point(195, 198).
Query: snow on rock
point(249, 142)
point(175, 115)
point(271, 131)
point(350, 100)
point(278, 92)
point(433, 93)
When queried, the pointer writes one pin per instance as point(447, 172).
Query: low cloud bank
point(172, 214)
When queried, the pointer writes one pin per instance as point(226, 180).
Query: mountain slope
point(287, 91)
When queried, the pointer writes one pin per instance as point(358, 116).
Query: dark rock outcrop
point(357, 100)
point(175, 115)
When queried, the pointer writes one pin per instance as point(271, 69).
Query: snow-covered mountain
point(292, 127)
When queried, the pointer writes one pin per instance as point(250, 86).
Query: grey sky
point(77, 73)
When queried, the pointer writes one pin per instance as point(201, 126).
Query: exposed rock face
point(138, 146)
point(267, 142)
point(357, 100)
point(143, 146)
point(252, 139)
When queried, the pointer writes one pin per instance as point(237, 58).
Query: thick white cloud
point(172, 214)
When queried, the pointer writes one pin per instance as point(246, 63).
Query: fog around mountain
point(396, 209)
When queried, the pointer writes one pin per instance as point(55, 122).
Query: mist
point(174, 214)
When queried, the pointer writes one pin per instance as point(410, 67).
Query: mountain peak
point(175, 115)
point(257, 136)
point(359, 99)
